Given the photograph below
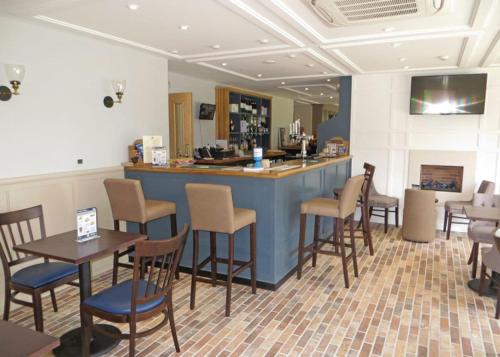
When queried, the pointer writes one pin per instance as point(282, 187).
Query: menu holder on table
point(86, 224)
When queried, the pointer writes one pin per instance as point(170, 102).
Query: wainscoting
point(61, 195)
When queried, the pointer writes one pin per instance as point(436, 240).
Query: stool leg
point(230, 256)
point(448, 229)
point(253, 256)
point(302, 238)
point(336, 235)
point(340, 222)
point(316, 237)
point(445, 224)
point(353, 246)
point(213, 257)
point(386, 219)
point(396, 218)
point(366, 229)
point(194, 269)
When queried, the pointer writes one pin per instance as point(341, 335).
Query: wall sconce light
point(119, 88)
point(15, 75)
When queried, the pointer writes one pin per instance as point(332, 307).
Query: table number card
point(86, 224)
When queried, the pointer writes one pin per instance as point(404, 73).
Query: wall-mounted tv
point(451, 94)
point(207, 111)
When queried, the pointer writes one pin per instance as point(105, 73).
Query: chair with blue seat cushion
point(139, 299)
point(16, 228)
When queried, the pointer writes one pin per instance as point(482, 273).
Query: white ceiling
point(281, 46)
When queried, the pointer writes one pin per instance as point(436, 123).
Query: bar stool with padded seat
point(342, 210)
point(211, 209)
point(383, 203)
point(128, 204)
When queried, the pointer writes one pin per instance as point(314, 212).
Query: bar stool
point(211, 209)
point(342, 210)
point(128, 204)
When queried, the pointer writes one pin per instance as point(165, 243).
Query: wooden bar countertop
point(293, 167)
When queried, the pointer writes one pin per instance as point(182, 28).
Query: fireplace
point(441, 178)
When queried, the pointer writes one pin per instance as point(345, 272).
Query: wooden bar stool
point(128, 204)
point(211, 209)
point(342, 210)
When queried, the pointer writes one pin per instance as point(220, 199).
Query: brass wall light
point(119, 88)
point(15, 75)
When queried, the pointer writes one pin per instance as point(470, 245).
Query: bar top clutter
point(285, 169)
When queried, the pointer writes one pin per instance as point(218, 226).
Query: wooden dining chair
point(139, 299)
point(15, 229)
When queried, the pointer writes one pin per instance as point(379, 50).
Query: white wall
point(281, 117)
point(59, 116)
point(203, 92)
point(383, 133)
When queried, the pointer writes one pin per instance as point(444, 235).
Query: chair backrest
point(15, 229)
point(164, 256)
point(486, 200)
point(368, 180)
point(350, 195)
point(211, 207)
point(487, 187)
point(127, 199)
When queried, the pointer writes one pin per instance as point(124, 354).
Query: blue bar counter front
point(276, 201)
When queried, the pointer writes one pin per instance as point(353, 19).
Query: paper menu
point(148, 143)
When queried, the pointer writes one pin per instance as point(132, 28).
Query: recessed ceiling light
point(389, 29)
point(324, 72)
point(215, 47)
point(444, 58)
point(321, 94)
point(283, 83)
point(310, 65)
point(259, 75)
point(269, 61)
point(328, 80)
point(224, 64)
point(174, 51)
point(331, 97)
point(306, 88)
point(133, 6)
point(264, 41)
point(184, 27)
point(402, 59)
point(291, 55)
point(406, 67)
point(397, 44)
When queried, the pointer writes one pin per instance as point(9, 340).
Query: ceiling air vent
point(351, 12)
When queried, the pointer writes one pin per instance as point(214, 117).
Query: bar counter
point(276, 196)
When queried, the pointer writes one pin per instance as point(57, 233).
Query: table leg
point(489, 289)
point(71, 341)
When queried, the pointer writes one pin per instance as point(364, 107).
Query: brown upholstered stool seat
point(419, 216)
point(211, 209)
point(342, 210)
point(129, 204)
point(383, 201)
point(456, 206)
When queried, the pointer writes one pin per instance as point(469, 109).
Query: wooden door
point(181, 124)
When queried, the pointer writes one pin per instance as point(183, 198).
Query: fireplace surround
point(441, 178)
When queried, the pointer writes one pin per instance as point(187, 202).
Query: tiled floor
point(410, 299)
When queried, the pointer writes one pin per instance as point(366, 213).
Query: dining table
point(19, 341)
point(65, 247)
point(487, 214)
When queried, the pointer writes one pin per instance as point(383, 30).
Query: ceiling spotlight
point(444, 58)
point(389, 29)
point(328, 80)
point(133, 6)
point(324, 72)
point(283, 83)
point(310, 65)
point(259, 75)
point(306, 88)
point(402, 59)
point(264, 41)
point(184, 27)
point(174, 51)
point(406, 67)
point(397, 44)
point(224, 64)
point(215, 47)
point(331, 97)
point(321, 94)
point(269, 61)
point(291, 55)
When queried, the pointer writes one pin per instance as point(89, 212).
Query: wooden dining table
point(487, 214)
point(64, 247)
point(19, 341)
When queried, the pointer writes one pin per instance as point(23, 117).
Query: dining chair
point(18, 227)
point(381, 204)
point(139, 299)
point(128, 204)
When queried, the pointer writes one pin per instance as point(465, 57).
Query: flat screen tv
point(452, 94)
point(207, 111)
